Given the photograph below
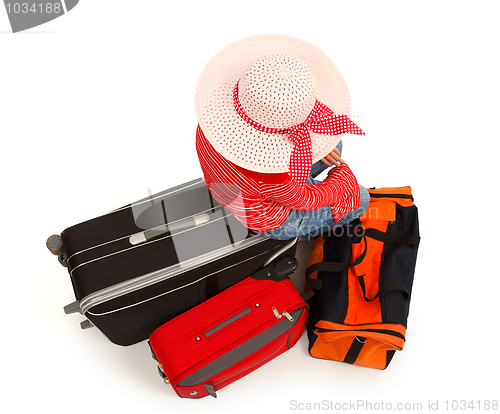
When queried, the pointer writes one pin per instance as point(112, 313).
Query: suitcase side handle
point(281, 251)
point(276, 271)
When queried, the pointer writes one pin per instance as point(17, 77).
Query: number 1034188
point(26, 8)
point(469, 405)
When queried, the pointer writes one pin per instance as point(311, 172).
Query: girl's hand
point(333, 158)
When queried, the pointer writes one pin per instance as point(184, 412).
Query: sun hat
point(255, 100)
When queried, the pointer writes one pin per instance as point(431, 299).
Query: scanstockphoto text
point(227, 202)
point(367, 405)
point(350, 231)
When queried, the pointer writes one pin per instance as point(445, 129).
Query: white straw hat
point(278, 80)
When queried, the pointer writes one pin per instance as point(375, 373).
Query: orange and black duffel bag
point(362, 275)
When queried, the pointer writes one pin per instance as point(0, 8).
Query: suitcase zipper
point(148, 200)
point(166, 380)
point(136, 244)
point(280, 315)
point(207, 371)
point(227, 321)
point(133, 285)
point(165, 193)
point(287, 343)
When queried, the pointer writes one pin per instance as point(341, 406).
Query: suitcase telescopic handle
point(184, 224)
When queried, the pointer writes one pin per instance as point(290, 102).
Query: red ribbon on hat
point(321, 120)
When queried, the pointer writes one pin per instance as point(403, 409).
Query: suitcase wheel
point(55, 245)
point(162, 374)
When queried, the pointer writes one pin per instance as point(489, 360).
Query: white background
point(97, 107)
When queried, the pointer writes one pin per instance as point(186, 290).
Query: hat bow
point(321, 120)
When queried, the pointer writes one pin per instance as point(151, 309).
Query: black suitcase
point(137, 267)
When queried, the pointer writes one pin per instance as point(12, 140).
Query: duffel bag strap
point(386, 287)
point(391, 238)
point(413, 240)
point(316, 284)
point(331, 267)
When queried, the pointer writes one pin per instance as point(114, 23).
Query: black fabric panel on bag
point(391, 238)
point(398, 265)
point(384, 288)
point(390, 355)
point(330, 303)
point(311, 336)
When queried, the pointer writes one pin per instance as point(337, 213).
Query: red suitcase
point(232, 334)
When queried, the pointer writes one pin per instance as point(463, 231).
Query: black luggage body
point(131, 274)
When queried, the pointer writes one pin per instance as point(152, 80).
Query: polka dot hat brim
point(232, 136)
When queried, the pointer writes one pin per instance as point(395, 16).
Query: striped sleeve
point(339, 190)
point(263, 201)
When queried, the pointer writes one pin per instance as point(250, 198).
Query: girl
point(272, 111)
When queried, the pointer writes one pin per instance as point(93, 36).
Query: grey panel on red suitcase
point(242, 351)
point(228, 321)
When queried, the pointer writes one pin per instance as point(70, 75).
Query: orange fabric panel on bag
point(405, 202)
point(335, 350)
point(378, 216)
point(359, 310)
point(336, 343)
point(374, 354)
point(393, 342)
point(381, 210)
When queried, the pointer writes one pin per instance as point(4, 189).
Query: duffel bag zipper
point(365, 334)
point(361, 331)
point(206, 370)
point(376, 195)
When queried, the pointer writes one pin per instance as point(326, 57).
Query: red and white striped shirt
point(262, 202)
